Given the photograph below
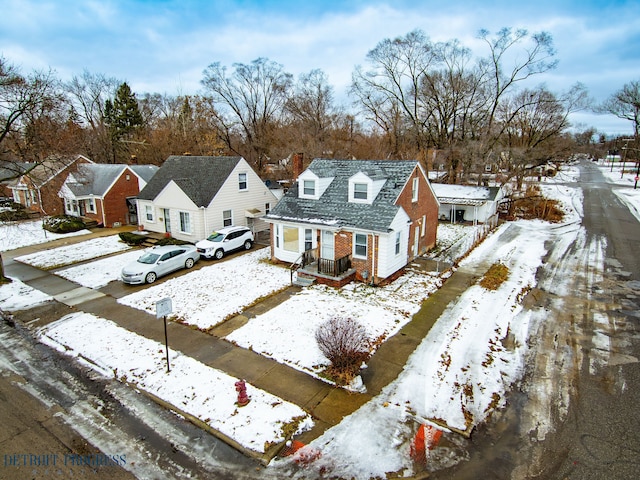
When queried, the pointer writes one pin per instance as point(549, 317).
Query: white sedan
point(159, 261)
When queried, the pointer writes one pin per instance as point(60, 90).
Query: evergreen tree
point(122, 117)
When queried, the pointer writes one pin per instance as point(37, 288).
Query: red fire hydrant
point(241, 388)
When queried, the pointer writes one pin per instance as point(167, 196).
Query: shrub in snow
point(345, 343)
point(131, 238)
point(62, 224)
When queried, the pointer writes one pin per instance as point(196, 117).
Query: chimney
point(297, 165)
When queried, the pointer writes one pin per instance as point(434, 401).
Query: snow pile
point(208, 296)
point(70, 254)
point(203, 392)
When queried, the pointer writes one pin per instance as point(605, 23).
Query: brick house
point(105, 193)
point(347, 220)
point(37, 189)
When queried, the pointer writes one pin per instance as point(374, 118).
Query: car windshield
point(215, 237)
point(148, 258)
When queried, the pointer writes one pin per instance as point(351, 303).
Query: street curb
point(264, 458)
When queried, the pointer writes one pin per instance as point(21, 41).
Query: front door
point(416, 241)
point(327, 246)
point(167, 220)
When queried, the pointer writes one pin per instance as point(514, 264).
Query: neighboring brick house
point(105, 193)
point(355, 219)
point(38, 188)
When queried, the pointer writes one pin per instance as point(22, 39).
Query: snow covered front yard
point(207, 296)
point(20, 234)
point(382, 311)
point(203, 392)
point(79, 252)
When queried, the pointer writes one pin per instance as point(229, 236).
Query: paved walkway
point(326, 403)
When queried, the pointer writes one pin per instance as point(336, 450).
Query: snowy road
point(574, 414)
point(150, 441)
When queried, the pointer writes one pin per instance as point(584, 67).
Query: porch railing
point(335, 268)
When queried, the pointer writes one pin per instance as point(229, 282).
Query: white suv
point(224, 241)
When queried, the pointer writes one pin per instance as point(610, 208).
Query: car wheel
point(247, 245)
point(189, 263)
point(219, 254)
point(151, 277)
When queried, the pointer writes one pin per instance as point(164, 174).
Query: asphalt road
point(582, 375)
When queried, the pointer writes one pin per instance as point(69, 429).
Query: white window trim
point(355, 255)
point(180, 218)
point(246, 182)
point(304, 189)
point(148, 210)
point(414, 189)
point(352, 192)
point(398, 244)
point(224, 218)
point(424, 226)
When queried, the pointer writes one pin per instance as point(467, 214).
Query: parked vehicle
point(224, 241)
point(159, 261)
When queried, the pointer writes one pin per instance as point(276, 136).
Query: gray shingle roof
point(199, 177)
point(94, 178)
point(145, 172)
point(333, 207)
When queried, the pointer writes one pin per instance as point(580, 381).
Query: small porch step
point(303, 281)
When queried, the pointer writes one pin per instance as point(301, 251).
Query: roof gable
point(199, 177)
point(333, 206)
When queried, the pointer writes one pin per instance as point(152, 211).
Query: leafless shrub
point(345, 343)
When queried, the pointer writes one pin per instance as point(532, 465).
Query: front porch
point(335, 273)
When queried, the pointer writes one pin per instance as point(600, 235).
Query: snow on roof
point(464, 194)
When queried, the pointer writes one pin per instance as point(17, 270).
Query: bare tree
point(313, 112)
point(87, 95)
point(23, 101)
point(250, 103)
point(533, 124)
point(625, 104)
point(390, 91)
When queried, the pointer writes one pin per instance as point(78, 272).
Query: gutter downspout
point(204, 221)
point(104, 217)
point(373, 260)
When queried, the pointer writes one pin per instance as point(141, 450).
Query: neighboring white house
point(464, 203)
point(192, 196)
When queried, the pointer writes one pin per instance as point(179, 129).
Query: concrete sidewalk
point(328, 404)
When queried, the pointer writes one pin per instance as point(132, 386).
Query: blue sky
point(164, 45)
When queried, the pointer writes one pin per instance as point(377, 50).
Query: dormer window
point(360, 191)
point(309, 188)
point(364, 189)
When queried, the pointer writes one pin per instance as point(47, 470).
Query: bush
point(131, 238)
point(345, 343)
point(172, 241)
point(63, 224)
point(12, 212)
